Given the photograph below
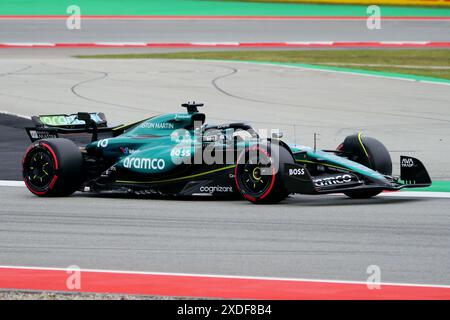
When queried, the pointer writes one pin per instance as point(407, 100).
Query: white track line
point(8, 183)
point(434, 44)
point(418, 194)
point(14, 114)
point(226, 276)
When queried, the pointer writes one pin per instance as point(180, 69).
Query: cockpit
point(229, 132)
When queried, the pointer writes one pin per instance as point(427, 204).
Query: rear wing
point(81, 128)
point(69, 121)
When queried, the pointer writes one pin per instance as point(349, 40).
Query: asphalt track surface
point(304, 237)
point(12, 142)
point(310, 237)
point(219, 31)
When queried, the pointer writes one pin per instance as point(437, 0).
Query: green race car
point(179, 155)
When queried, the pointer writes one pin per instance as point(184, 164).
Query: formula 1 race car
point(179, 155)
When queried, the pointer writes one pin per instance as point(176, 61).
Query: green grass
point(392, 61)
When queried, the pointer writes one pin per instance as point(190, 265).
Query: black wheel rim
point(253, 176)
point(39, 169)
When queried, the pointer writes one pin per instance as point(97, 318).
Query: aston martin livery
point(179, 155)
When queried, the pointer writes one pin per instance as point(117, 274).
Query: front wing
point(297, 179)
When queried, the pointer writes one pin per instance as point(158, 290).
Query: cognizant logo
point(144, 163)
point(212, 189)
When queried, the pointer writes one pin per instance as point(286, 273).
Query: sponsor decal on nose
point(332, 180)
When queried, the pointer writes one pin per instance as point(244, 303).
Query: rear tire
point(53, 168)
point(370, 153)
point(262, 188)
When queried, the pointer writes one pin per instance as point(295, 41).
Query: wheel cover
point(39, 169)
point(252, 177)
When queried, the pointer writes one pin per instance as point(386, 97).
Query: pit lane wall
point(428, 3)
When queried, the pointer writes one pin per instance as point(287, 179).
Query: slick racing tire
point(371, 153)
point(53, 168)
point(256, 179)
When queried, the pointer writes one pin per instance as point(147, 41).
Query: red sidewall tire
point(66, 167)
point(236, 173)
point(275, 191)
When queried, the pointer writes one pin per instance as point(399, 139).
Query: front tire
point(371, 153)
point(257, 180)
point(53, 168)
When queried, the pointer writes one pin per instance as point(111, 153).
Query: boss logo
point(407, 162)
point(297, 172)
